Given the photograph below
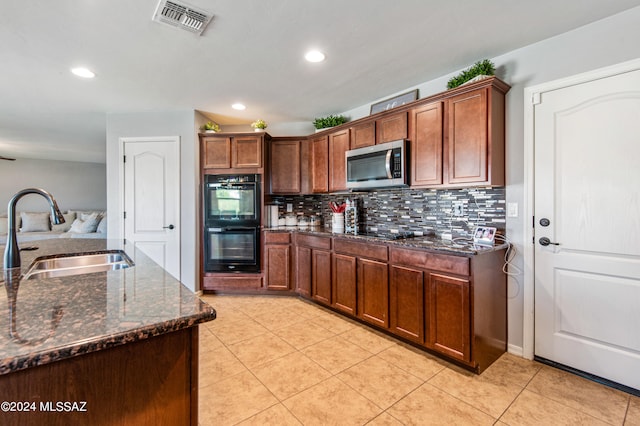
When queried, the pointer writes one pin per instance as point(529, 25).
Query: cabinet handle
point(168, 227)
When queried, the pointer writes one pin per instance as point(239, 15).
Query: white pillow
point(87, 226)
point(68, 221)
point(34, 222)
point(102, 226)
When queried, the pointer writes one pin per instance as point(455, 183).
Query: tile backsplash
point(430, 212)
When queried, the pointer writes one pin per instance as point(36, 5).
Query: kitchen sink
point(77, 264)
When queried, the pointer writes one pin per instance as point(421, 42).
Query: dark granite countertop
point(458, 246)
point(58, 318)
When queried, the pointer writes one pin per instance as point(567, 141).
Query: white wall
point(184, 124)
point(74, 185)
point(603, 43)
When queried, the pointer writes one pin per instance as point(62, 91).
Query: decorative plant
point(259, 124)
point(329, 121)
point(484, 67)
point(210, 125)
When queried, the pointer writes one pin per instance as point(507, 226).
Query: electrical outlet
point(458, 208)
point(512, 209)
point(289, 207)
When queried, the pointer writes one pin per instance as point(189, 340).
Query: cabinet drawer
point(314, 241)
point(231, 283)
point(426, 260)
point(277, 237)
point(358, 249)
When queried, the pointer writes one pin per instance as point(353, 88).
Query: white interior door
point(587, 187)
point(152, 199)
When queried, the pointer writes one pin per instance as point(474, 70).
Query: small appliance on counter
point(351, 217)
point(272, 215)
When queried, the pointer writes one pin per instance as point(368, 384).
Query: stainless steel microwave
point(377, 166)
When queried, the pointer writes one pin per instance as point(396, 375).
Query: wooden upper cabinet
point(339, 143)
point(231, 152)
point(392, 127)
point(285, 167)
point(363, 135)
point(426, 144)
point(246, 151)
point(320, 164)
point(216, 153)
point(476, 137)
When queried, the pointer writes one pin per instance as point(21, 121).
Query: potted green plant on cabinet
point(478, 71)
point(210, 127)
point(259, 125)
point(328, 121)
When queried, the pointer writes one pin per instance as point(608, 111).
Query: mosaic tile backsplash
point(430, 212)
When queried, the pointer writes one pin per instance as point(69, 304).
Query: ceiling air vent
point(182, 16)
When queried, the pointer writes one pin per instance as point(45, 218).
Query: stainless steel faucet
point(11, 251)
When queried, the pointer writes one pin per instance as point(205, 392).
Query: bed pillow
point(102, 226)
point(87, 226)
point(68, 221)
point(34, 222)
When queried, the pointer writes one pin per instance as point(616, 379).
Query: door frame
point(121, 186)
point(531, 98)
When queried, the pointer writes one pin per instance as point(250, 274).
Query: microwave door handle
point(388, 164)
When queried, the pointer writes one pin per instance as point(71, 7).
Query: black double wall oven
point(232, 206)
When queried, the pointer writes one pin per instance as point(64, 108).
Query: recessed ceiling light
point(83, 72)
point(239, 106)
point(314, 56)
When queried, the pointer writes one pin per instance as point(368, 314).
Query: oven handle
point(240, 228)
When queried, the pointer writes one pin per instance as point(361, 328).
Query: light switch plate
point(289, 207)
point(512, 209)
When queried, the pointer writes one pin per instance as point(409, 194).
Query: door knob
point(168, 227)
point(544, 241)
point(545, 222)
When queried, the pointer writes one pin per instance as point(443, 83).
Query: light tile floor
point(270, 360)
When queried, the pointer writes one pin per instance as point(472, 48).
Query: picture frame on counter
point(394, 102)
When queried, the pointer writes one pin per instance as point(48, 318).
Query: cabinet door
point(278, 261)
point(406, 303)
point(303, 271)
point(392, 127)
point(449, 316)
point(344, 283)
point(467, 142)
point(363, 135)
point(321, 276)
point(285, 167)
point(338, 146)
point(426, 145)
point(216, 153)
point(320, 164)
point(373, 292)
point(247, 151)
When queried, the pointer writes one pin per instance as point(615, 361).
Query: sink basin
point(77, 264)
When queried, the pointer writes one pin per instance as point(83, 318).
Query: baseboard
point(515, 350)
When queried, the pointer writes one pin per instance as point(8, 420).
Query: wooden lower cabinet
point(278, 267)
point(448, 302)
point(277, 260)
point(149, 382)
point(406, 303)
point(303, 271)
point(373, 292)
point(453, 305)
point(344, 283)
point(321, 276)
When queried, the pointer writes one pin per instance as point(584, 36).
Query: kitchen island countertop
point(43, 320)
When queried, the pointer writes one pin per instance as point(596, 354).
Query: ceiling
point(251, 52)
